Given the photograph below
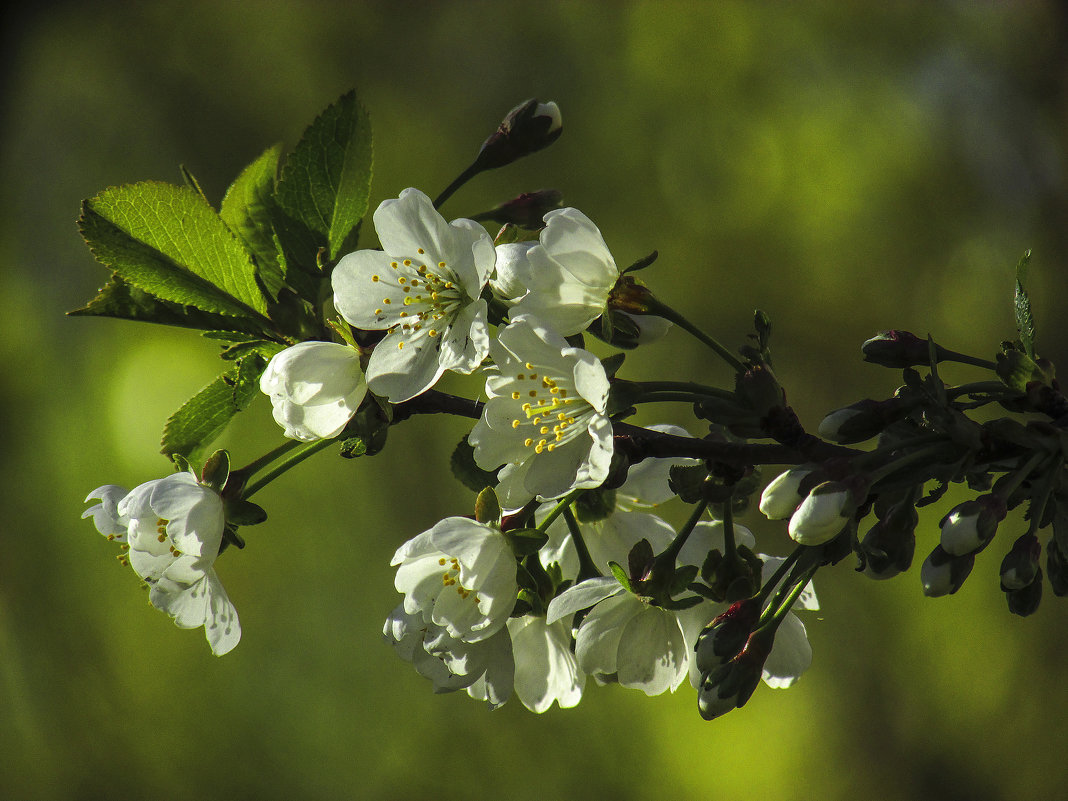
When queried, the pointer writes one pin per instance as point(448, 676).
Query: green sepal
point(642, 263)
point(181, 464)
point(123, 301)
point(622, 395)
point(202, 418)
point(595, 504)
point(246, 210)
point(684, 575)
point(326, 181)
point(621, 576)
point(487, 507)
point(611, 364)
point(526, 541)
point(690, 482)
point(1016, 369)
point(616, 329)
point(467, 472)
point(1025, 321)
point(216, 470)
point(367, 431)
point(191, 181)
point(244, 513)
point(169, 242)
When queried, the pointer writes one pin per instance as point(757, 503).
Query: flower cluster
point(569, 568)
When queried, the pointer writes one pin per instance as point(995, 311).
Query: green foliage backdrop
point(848, 168)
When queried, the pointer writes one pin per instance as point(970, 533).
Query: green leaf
point(487, 507)
point(167, 241)
point(621, 576)
point(1025, 322)
point(121, 300)
point(202, 418)
point(526, 541)
point(326, 180)
point(246, 209)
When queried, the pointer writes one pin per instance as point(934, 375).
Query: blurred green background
point(847, 168)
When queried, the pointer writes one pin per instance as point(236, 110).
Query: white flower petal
point(582, 596)
point(652, 652)
point(790, 656)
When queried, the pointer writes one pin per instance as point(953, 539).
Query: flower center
point(161, 535)
point(550, 408)
point(451, 578)
point(429, 299)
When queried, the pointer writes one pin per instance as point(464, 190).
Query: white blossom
point(570, 273)
point(460, 575)
point(545, 418)
point(315, 388)
point(423, 287)
point(174, 529)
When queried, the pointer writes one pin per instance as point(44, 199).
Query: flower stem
point(671, 553)
point(292, 461)
point(460, 180)
point(587, 569)
point(686, 386)
point(558, 510)
point(256, 465)
point(662, 310)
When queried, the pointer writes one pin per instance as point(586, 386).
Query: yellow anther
point(515, 396)
point(375, 278)
point(407, 262)
point(393, 264)
point(528, 442)
point(533, 393)
point(526, 407)
point(400, 346)
point(387, 301)
point(441, 561)
point(529, 366)
point(540, 446)
point(408, 300)
point(563, 393)
point(515, 423)
point(561, 416)
point(433, 332)
point(420, 251)
point(162, 537)
point(378, 311)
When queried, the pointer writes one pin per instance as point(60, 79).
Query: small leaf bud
point(969, 526)
point(526, 129)
point(943, 573)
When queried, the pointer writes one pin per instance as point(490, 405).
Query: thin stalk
point(287, 464)
point(587, 569)
point(668, 313)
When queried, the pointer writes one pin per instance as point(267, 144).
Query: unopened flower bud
point(782, 496)
point(725, 636)
point(898, 349)
point(861, 421)
point(730, 685)
point(943, 573)
point(888, 547)
point(1020, 565)
point(526, 129)
point(1057, 569)
point(526, 211)
point(969, 526)
point(1025, 600)
point(824, 513)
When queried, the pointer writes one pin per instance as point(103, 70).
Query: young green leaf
point(1025, 322)
point(121, 300)
point(202, 418)
point(326, 180)
point(246, 209)
point(167, 241)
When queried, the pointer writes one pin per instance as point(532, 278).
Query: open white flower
point(315, 388)
point(460, 575)
point(545, 418)
point(622, 637)
point(423, 287)
point(485, 668)
point(545, 668)
point(174, 528)
point(570, 273)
